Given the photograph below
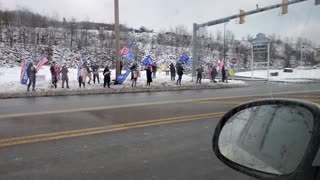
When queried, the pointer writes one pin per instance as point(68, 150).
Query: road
point(165, 135)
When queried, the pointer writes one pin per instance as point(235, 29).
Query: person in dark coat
point(199, 74)
point(95, 71)
point(54, 78)
point(31, 73)
point(214, 74)
point(179, 72)
point(107, 77)
point(224, 74)
point(154, 70)
point(172, 72)
point(133, 67)
point(149, 75)
point(121, 66)
point(64, 71)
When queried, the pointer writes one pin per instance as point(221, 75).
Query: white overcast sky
point(303, 18)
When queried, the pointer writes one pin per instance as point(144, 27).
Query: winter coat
point(31, 73)
point(199, 71)
point(107, 74)
point(132, 68)
point(180, 70)
point(84, 74)
point(172, 70)
point(149, 74)
point(214, 72)
point(154, 68)
point(135, 74)
point(95, 69)
point(53, 71)
point(223, 71)
point(64, 71)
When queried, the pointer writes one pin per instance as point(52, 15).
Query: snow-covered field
point(10, 81)
point(297, 75)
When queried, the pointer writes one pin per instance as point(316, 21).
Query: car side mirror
point(270, 139)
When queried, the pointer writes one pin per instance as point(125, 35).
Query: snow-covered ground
point(10, 81)
point(297, 75)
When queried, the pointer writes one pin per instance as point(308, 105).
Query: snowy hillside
point(59, 44)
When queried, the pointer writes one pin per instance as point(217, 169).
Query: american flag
point(43, 60)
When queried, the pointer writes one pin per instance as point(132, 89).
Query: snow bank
point(298, 75)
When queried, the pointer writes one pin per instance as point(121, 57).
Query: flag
point(122, 77)
point(231, 72)
point(219, 65)
point(23, 75)
point(147, 61)
point(42, 61)
point(128, 56)
point(73, 58)
point(126, 52)
point(57, 71)
point(189, 62)
point(184, 58)
point(162, 68)
point(80, 65)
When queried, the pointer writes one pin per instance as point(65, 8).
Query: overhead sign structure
point(241, 15)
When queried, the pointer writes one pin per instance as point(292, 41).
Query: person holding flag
point(31, 73)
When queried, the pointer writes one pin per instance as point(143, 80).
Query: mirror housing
point(305, 169)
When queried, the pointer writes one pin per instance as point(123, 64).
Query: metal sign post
point(252, 57)
point(268, 62)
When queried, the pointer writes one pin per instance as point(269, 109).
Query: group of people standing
point(86, 72)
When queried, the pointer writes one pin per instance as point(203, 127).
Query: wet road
point(163, 135)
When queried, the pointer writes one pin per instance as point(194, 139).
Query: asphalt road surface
point(165, 135)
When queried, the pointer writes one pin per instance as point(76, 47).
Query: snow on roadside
point(297, 75)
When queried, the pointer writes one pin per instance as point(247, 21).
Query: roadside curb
point(118, 90)
point(292, 81)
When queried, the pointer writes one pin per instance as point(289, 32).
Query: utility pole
point(194, 50)
point(117, 36)
point(224, 43)
point(301, 54)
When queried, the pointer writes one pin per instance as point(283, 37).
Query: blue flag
point(147, 61)
point(122, 77)
point(129, 56)
point(126, 53)
point(189, 62)
point(184, 58)
point(24, 76)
